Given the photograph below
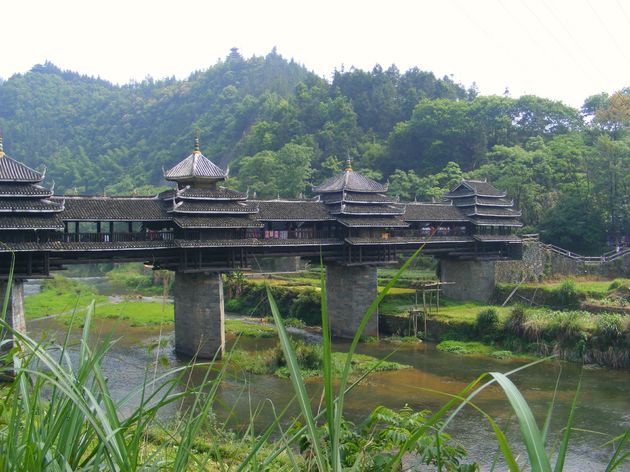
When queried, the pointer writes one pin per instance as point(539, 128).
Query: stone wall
point(199, 315)
point(559, 265)
point(470, 280)
point(531, 266)
point(350, 291)
point(15, 309)
point(277, 264)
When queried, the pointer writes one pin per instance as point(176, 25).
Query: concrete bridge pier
point(471, 280)
point(199, 315)
point(350, 290)
point(15, 308)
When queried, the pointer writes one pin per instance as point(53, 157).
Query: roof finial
point(1, 146)
point(348, 164)
point(196, 150)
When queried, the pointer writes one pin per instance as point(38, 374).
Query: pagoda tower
point(487, 207)
point(360, 205)
point(27, 216)
point(200, 204)
point(359, 202)
point(201, 210)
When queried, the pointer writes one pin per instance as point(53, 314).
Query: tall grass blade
point(617, 458)
point(562, 453)
point(298, 385)
point(530, 433)
point(327, 360)
point(547, 424)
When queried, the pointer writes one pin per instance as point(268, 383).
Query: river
point(604, 402)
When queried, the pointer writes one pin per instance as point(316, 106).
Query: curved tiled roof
point(360, 209)
point(430, 212)
point(30, 205)
point(190, 193)
point(351, 181)
point(195, 167)
point(351, 197)
point(23, 190)
point(484, 201)
point(14, 171)
point(48, 221)
point(292, 210)
point(497, 222)
point(367, 221)
point(489, 211)
point(469, 188)
point(219, 207)
point(113, 209)
point(215, 221)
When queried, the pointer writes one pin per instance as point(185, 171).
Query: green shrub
point(501, 354)
point(309, 356)
point(567, 294)
point(618, 283)
point(487, 321)
point(516, 320)
point(609, 326)
point(294, 323)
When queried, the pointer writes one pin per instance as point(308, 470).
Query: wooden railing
point(290, 234)
point(606, 257)
point(531, 237)
point(115, 237)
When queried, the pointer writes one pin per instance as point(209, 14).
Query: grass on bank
point(134, 278)
point(60, 295)
point(310, 359)
point(77, 424)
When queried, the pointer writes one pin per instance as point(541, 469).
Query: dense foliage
point(281, 128)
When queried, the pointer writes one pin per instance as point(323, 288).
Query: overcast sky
point(560, 49)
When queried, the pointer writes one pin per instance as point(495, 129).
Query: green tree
point(295, 169)
point(575, 223)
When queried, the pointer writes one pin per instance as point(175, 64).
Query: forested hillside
point(280, 128)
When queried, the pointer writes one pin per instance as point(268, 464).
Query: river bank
point(145, 344)
point(604, 404)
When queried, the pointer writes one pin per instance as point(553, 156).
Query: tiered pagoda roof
point(23, 203)
point(483, 204)
point(357, 201)
point(198, 202)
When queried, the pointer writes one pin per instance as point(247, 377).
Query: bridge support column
point(199, 315)
point(472, 280)
point(350, 291)
point(15, 309)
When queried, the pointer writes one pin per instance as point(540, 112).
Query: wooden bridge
point(199, 229)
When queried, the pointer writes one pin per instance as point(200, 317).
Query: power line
point(550, 32)
point(610, 35)
point(575, 41)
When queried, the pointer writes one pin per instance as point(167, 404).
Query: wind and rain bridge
point(200, 229)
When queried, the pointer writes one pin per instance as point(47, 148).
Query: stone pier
point(472, 280)
point(350, 291)
point(199, 315)
point(15, 309)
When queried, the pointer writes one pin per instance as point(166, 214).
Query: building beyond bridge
point(200, 228)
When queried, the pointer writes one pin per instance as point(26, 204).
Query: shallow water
point(604, 403)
